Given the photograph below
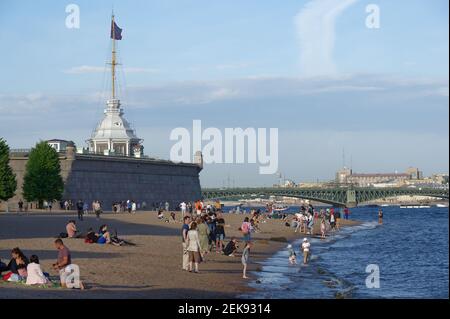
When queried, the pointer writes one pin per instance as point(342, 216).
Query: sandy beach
point(152, 269)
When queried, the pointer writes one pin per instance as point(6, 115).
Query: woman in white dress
point(193, 247)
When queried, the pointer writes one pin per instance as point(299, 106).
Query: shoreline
point(117, 272)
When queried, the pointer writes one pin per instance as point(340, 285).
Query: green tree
point(8, 183)
point(42, 180)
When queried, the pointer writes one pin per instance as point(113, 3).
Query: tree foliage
point(42, 180)
point(8, 183)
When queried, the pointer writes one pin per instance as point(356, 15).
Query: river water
point(410, 250)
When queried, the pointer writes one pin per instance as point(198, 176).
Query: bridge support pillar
point(351, 198)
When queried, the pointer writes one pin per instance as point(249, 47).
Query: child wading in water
point(323, 228)
point(292, 255)
point(245, 259)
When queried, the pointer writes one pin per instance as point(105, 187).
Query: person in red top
point(346, 212)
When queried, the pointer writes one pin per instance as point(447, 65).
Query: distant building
point(59, 145)
point(342, 175)
point(414, 173)
point(346, 176)
point(440, 178)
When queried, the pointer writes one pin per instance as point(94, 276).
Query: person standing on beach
point(80, 206)
point(183, 209)
point(184, 232)
point(380, 216)
point(97, 209)
point(306, 250)
point(246, 229)
point(133, 207)
point(245, 259)
point(203, 234)
point(85, 208)
point(220, 232)
point(193, 247)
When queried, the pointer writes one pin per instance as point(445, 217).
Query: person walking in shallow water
point(306, 250)
point(323, 228)
point(245, 259)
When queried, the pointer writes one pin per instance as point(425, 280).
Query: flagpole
point(113, 60)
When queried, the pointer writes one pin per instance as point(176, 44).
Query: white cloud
point(84, 69)
point(315, 25)
point(382, 87)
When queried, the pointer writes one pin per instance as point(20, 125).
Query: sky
point(312, 69)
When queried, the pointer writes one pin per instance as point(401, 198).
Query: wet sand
point(152, 269)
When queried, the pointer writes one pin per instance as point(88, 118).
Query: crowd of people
point(29, 271)
point(203, 233)
point(307, 217)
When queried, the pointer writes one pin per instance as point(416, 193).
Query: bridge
point(337, 196)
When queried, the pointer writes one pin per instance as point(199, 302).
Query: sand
point(152, 269)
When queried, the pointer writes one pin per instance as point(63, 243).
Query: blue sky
point(382, 94)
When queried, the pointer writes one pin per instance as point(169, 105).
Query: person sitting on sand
point(35, 274)
point(245, 259)
point(64, 265)
point(90, 237)
point(17, 266)
point(3, 267)
point(71, 229)
point(63, 260)
point(160, 214)
point(231, 247)
point(104, 237)
point(292, 255)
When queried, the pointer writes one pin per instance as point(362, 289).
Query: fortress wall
point(111, 179)
point(116, 179)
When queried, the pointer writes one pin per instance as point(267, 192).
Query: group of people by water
point(307, 217)
point(203, 233)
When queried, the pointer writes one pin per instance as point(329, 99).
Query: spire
point(113, 57)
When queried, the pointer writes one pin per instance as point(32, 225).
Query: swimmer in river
point(380, 216)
